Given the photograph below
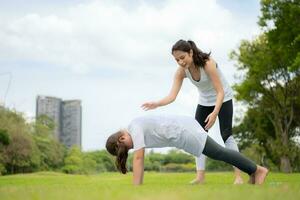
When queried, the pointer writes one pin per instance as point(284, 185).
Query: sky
point(113, 55)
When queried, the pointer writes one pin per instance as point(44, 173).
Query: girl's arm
point(177, 83)
point(211, 70)
point(138, 166)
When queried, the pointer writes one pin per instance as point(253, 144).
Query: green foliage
point(215, 165)
point(51, 151)
point(177, 156)
point(72, 169)
point(271, 84)
point(4, 137)
point(104, 161)
point(2, 169)
point(77, 162)
point(31, 146)
point(74, 161)
point(175, 167)
point(43, 126)
point(19, 155)
point(284, 33)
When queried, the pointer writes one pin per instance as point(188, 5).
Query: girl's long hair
point(119, 150)
point(199, 57)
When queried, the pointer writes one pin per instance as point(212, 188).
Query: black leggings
point(217, 152)
point(225, 117)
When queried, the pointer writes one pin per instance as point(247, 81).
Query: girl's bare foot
point(260, 175)
point(238, 177)
point(238, 181)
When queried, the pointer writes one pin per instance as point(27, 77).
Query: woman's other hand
point(210, 120)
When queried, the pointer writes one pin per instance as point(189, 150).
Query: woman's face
point(183, 59)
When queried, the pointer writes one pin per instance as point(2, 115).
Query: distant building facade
point(67, 116)
point(51, 107)
point(71, 126)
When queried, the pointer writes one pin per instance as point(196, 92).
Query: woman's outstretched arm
point(177, 83)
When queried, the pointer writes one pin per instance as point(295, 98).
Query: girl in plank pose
point(173, 131)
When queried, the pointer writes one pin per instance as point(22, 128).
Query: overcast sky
point(112, 55)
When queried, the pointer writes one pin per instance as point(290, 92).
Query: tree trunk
point(285, 165)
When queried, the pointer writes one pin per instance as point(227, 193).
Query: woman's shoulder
point(180, 73)
point(210, 64)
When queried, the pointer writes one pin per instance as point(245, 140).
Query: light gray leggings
point(217, 152)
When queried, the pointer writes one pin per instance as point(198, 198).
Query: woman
point(173, 131)
point(215, 96)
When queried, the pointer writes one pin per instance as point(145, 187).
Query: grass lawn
point(157, 186)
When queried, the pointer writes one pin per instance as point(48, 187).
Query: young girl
point(173, 131)
point(215, 96)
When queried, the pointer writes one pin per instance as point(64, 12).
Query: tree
point(73, 161)
point(4, 141)
point(21, 154)
point(104, 161)
point(51, 151)
point(4, 137)
point(271, 64)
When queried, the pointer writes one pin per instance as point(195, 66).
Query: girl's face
point(183, 59)
point(126, 139)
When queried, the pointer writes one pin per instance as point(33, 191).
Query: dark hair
point(199, 57)
point(119, 150)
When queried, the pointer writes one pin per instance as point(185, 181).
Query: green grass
point(157, 186)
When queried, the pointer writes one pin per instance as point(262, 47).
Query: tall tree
point(271, 64)
point(4, 137)
point(20, 155)
point(50, 149)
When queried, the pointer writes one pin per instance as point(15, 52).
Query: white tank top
point(207, 92)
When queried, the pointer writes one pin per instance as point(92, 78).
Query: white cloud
point(104, 34)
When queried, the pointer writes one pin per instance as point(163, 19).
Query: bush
point(2, 169)
point(72, 169)
point(174, 167)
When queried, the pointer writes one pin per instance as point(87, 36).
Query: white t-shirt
point(168, 131)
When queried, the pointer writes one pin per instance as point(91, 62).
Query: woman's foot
point(260, 174)
point(200, 177)
point(197, 181)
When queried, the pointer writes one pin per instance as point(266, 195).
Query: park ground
point(157, 186)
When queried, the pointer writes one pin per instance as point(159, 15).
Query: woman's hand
point(149, 105)
point(177, 82)
point(210, 120)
